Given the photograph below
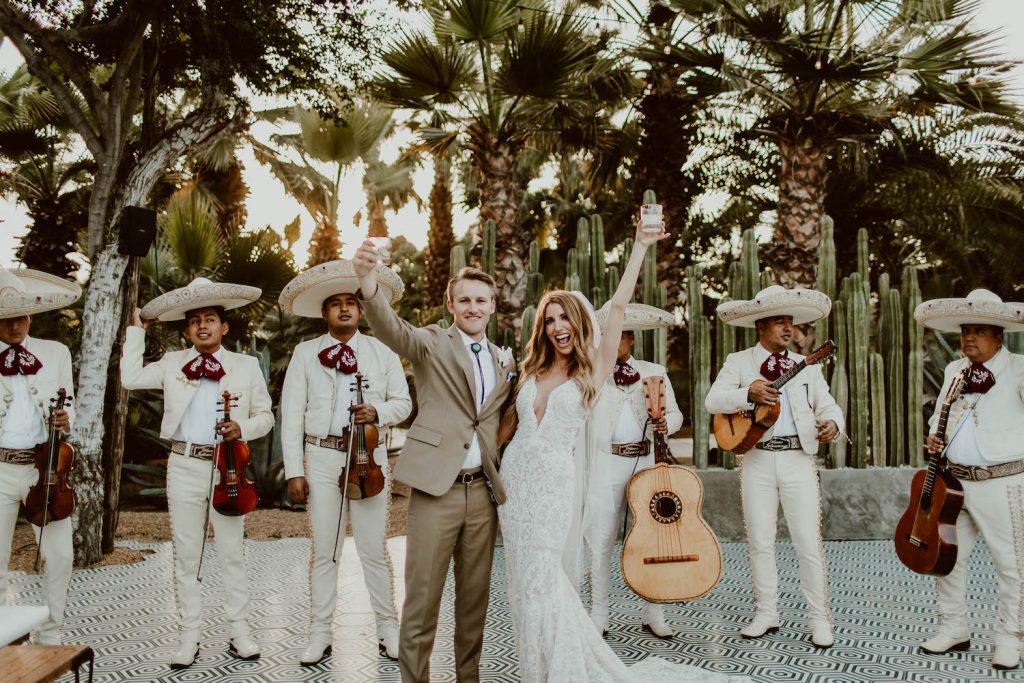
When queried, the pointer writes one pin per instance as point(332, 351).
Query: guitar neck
point(933, 459)
point(790, 374)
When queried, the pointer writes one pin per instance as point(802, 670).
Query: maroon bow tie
point(626, 374)
point(17, 360)
point(979, 380)
point(776, 365)
point(204, 365)
point(340, 357)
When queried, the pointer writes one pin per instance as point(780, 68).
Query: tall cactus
point(826, 277)
point(857, 333)
point(725, 343)
point(487, 265)
point(890, 344)
point(597, 262)
point(700, 366)
point(529, 316)
point(878, 410)
point(457, 260)
point(915, 369)
point(750, 279)
point(583, 249)
point(839, 386)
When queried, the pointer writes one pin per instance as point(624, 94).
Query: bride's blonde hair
point(540, 352)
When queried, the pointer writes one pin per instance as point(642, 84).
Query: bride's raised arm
point(608, 349)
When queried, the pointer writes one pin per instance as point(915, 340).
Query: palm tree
point(388, 187)
point(508, 76)
point(821, 74)
point(339, 143)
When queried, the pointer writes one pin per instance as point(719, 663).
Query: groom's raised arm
point(397, 334)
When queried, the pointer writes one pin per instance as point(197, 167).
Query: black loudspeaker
point(136, 231)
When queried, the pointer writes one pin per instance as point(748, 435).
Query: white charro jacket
point(307, 400)
point(999, 412)
point(42, 386)
point(242, 377)
point(612, 399)
point(807, 392)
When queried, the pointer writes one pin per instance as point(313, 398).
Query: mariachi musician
point(32, 371)
point(317, 404)
point(985, 452)
point(193, 381)
point(620, 445)
point(782, 467)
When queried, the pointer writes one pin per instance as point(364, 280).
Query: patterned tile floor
point(882, 612)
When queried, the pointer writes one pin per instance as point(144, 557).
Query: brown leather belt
point(336, 443)
point(197, 451)
point(631, 450)
point(973, 473)
point(17, 456)
point(469, 476)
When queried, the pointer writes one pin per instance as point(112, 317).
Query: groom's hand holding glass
point(364, 260)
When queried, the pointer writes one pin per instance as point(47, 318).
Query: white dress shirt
point(786, 424)
point(963, 443)
point(344, 392)
point(488, 381)
point(199, 421)
point(627, 429)
point(24, 427)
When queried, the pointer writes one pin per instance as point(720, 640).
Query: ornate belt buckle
point(776, 443)
point(981, 474)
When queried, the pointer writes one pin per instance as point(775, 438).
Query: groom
point(450, 459)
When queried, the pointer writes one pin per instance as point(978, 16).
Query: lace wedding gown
point(555, 638)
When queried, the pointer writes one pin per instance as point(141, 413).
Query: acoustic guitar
point(926, 534)
point(741, 431)
point(670, 554)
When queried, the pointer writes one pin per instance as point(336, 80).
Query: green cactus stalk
point(878, 410)
point(702, 384)
point(914, 370)
point(863, 261)
point(826, 276)
point(858, 366)
point(612, 279)
point(572, 264)
point(725, 343)
point(650, 197)
point(457, 260)
point(487, 251)
point(893, 349)
point(840, 390)
point(534, 261)
point(528, 318)
point(597, 256)
point(750, 279)
point(583, 253)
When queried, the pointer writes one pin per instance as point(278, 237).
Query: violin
point(234, 495)
point(361, 477)
point(51, 498)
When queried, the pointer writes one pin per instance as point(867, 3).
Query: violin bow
point(209, 492)
point(52, 447)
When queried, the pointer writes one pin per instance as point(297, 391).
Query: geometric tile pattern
point(881, 610)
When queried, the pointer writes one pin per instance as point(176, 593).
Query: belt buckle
point(776, 443)
point(464, 478)
point(981, 474)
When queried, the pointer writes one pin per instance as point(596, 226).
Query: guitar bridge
point(666, 559)
point(916, 542)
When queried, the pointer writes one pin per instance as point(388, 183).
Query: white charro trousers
point(188, 496)
point(995, 509)
point(369, 527)
point(15, 481)
point(768, 478)
point(605, 515)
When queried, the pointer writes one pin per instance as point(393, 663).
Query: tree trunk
point(666, 119)
point(792, 254)
point(117, 421)
point(378, 220)
point(436, 267)
point(104, 300)
point(324, 245)
point(499, 202)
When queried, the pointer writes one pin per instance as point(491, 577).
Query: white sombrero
point(805, 305)
point(27, 292)
point(306, 292)
point(980, 307)
point(639, 317)
point(200, 293)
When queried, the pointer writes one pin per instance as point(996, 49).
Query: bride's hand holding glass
point(647, 234)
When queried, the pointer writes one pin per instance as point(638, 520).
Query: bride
point(565, 365)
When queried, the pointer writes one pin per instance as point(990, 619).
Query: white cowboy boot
point(947, 640)
point(1007, 653)
point(654, 621)
point(318, 648)
point(188, 648)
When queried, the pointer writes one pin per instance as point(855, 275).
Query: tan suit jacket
point(242, 377)
point(55, 374)
point(807, 393)
point(439, 438)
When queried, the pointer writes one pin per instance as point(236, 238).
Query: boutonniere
point(511, 377)
point(505, 355)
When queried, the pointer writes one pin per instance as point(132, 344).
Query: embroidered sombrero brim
point(980, 307)
point(27, 292)
point(639, 317)
point(305, 294)
point(200, 293)
point(804, 305)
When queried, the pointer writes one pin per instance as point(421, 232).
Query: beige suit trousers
point(461, 525)
point(789, 477)
point(994, 509)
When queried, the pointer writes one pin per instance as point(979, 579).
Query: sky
point(268, 204)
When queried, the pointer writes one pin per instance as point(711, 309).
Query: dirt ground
point(152, 526)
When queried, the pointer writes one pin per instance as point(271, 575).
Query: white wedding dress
point(555, 638)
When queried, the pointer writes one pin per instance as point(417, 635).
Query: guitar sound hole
point(665, 507)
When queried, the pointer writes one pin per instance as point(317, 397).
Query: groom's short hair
point(469, 273)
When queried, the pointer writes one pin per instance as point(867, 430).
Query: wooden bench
point(43, 663)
